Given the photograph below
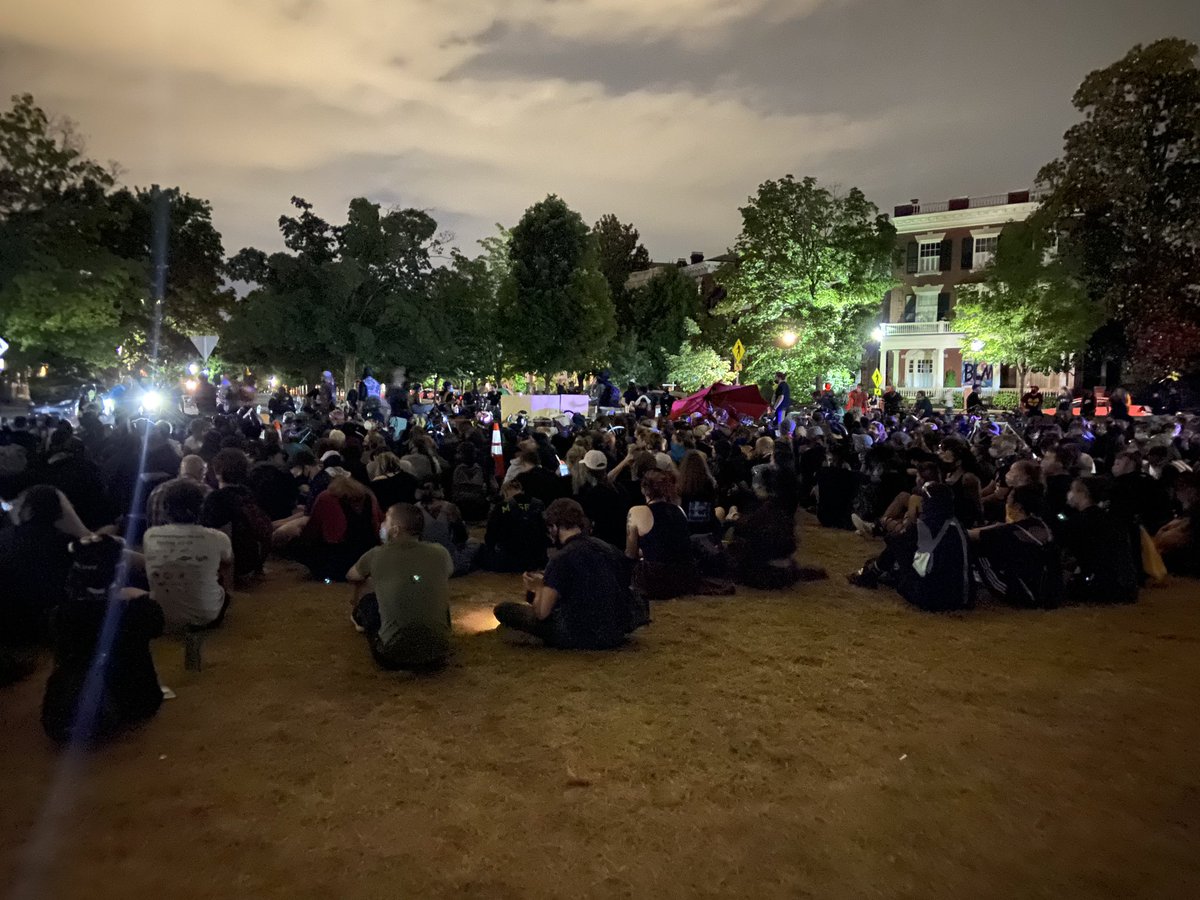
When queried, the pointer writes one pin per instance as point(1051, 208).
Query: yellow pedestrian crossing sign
point(876, 378)
point(739, 350)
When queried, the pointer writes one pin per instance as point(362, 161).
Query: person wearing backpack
point(232, 509)
point(104, 679)
point(939, 578)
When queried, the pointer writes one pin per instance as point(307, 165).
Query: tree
point(695, 365)
point(1030, 310)
point(1127, 190)
point(658, 313)
point(467, 293)
point(810, 261)
point(555, 311)
point(355, 292)
point(619, 254)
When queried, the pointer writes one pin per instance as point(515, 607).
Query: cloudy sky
point(667, 112)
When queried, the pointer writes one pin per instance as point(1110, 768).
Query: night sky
point(667, 112)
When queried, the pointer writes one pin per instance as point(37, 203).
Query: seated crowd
point(121, 533)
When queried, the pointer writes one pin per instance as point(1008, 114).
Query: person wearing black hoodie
point(104, 678)
point(939, 578)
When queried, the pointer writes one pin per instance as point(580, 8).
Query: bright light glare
point(788, 338)
point(108, 405)
point(191, 384)
point(193, 369)
point(976, 345)
point(151, 401)
point(877, 334)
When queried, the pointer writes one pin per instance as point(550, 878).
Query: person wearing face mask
point(406, 618)
point(1098, 547)
point(959, 474)
point(1018, 561)
point(583, 600)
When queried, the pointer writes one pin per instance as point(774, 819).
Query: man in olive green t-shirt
point(407, 617)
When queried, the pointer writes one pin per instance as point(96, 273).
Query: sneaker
point(862, 526)
point(354, 622)
point(863, 578)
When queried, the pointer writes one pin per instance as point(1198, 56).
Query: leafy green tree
point(355, 293)
point(810, 261)
point(467, 295)
point(1127, 191)
point(659, 311)
point(555, 311)
point(1031, 310)
point(695, 365)
point(620, 253)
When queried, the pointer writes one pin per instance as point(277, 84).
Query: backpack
point(251, 537)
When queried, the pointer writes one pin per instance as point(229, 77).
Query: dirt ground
point(830, 742)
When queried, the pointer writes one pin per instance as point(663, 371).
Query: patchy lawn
point(830, 742)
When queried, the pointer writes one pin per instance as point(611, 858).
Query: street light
point(193, 369)
point(789, 338)
point(877, 334)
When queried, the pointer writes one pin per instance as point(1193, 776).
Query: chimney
point(697, 257)
point(681, 262)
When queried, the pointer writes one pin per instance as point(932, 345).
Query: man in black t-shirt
point(583, 600)
point(1018, 561)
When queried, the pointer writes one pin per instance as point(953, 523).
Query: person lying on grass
point(583, 600)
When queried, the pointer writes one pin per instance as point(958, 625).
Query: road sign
point(3, 346)
point(205, 343)
point(876, 379)
point(739, 350)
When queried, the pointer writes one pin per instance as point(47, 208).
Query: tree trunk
point(1022, 371)
point(351, 366)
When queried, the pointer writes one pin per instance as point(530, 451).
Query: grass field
point(829, 742)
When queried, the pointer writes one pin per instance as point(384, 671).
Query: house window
point(927, 308)
point(985, 251)
point(928, 257)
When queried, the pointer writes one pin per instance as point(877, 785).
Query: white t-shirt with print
point(182, 565)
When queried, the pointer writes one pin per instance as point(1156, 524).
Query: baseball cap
point(595, 460)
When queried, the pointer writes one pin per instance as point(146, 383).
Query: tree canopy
point(555, 311)
point(1127, 190)
point(812, 261)
point(1030, 309)
point(354, 292)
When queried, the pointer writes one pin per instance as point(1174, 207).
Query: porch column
point(894, 369)
point(939, 371)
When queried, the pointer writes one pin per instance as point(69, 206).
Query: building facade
point(942, 246)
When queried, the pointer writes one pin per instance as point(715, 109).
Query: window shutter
point(946, 252)
point(968, 253)
point(910, 308)
point(943, 306)
point(911, 267)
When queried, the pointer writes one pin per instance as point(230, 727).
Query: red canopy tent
point(737, 399)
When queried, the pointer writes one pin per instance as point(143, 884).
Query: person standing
point(856, 401)
point(782, 399)
point(1031, 402)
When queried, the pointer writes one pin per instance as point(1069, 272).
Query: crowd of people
point(119, 533)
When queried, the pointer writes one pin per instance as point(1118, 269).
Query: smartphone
point(563, 471)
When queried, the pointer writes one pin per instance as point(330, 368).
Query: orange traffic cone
point(497, 450)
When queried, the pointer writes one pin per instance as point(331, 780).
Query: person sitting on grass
point(406, 618)
point(190, 567)
point(515, 540)
point(938, 578)
point(232, 509)
point(1179, 540)
point(1018, 561)
point(343, 526)
point(764, 544)
point(444, 525)
point(104, 679)
point(659, 542)
point(1098, 547)
point(583, 600)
